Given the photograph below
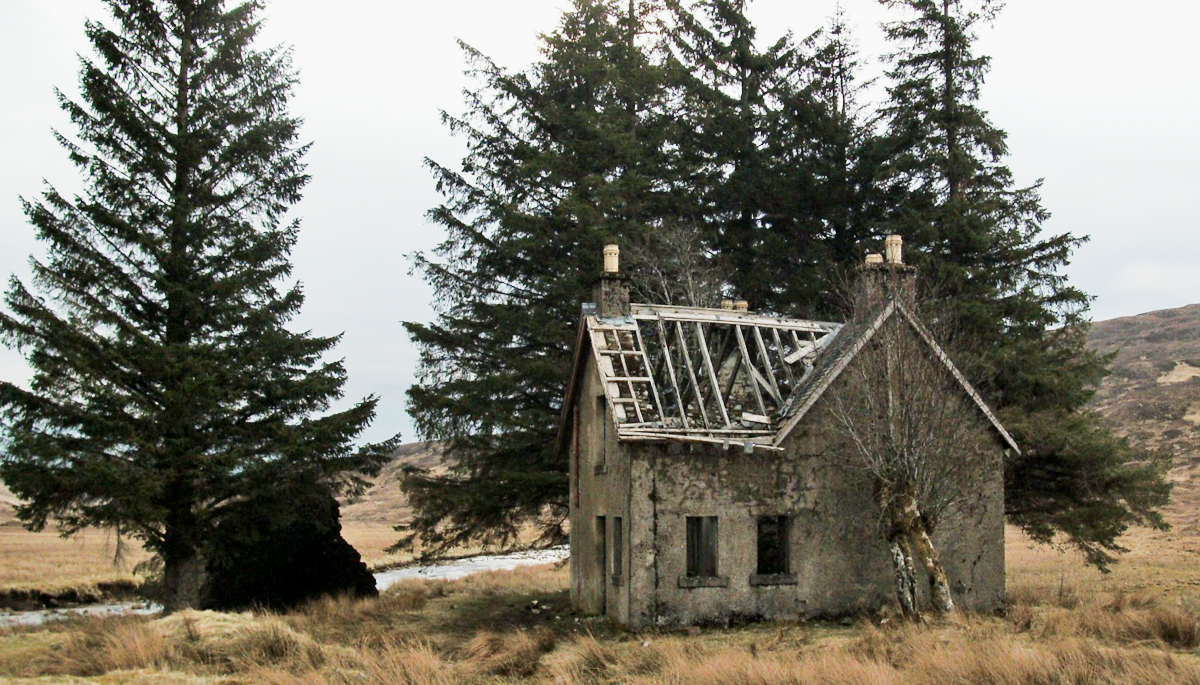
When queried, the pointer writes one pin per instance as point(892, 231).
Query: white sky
point(1097, 98)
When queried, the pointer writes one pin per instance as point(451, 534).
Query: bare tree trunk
point(906, 577)
point(183, 565)
point(939, 586)
point(910, 538)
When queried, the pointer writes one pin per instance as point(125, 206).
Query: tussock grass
point(517, 653)
point(514, 626)
point(1170, 626)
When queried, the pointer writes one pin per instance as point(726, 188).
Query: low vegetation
point(1065, 624)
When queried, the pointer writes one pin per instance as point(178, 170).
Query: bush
point(280, 550)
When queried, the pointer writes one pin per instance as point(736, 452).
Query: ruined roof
point(692, 374)
point(734, 378)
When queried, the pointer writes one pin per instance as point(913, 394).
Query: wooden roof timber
point(824, 348)
point(647, 312)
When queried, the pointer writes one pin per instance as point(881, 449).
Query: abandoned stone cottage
point(704, 468)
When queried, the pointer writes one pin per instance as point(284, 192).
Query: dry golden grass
point(1064, 625)
point(49, 563)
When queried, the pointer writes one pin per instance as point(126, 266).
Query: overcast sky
point(1099, 98)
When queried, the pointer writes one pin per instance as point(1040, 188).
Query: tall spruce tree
point(727, 93)
point(562, 158)
point(979, 239)
point(166, 385)
point(830, 199)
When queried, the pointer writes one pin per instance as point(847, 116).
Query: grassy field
point(1065, 624)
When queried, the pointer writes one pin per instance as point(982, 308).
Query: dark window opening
point(702, 546)
point(618, 541)
point(773, 545)
point(602, 414)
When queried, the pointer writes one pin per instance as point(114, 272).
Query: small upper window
point(702, 546)
point(773, 545)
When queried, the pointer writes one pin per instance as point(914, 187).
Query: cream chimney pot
point(741, 306)
point(612, 256)
point(893, 246)
point(874, 258)
point(727, 304)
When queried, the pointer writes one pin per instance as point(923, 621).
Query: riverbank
point(31, 598)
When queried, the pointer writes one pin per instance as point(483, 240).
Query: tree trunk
point(183, 566)
point(908, 538)
point(183, 578)
point(906, 577)
point(939, 586)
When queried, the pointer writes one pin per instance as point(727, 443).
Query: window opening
point(702, 546)
point(618, 541)
point(772, 545)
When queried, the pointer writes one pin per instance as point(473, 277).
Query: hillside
point(7, 502)
point(1153, 394)
point(383, 503)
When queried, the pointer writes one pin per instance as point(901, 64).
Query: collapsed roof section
point(725, 376)
point(702, 375)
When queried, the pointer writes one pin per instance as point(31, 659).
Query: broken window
point(773, 545)
point(702, 546)
point(618, 541)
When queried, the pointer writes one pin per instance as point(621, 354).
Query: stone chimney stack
point(611, 291)
point(893, 246)
point(886, 275)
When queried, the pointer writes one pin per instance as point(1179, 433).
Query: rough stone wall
point(599, 473)
point(839, 561)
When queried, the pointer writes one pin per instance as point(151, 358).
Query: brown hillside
point(383, 503)
point(7, 503)
point(1153, 394)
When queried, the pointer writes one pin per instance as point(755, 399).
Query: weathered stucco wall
point(600, 487)
point(837, 556)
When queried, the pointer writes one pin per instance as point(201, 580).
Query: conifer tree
point(830, 197)
point(979, 239)
point(726, 93)
point(562, 158)
point(166, 384)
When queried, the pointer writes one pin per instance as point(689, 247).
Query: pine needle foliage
point(980, 238)
point(563, 158)
point(166, 384)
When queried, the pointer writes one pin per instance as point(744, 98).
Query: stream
point(449, 570)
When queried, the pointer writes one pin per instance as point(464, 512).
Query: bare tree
point(914, 431)
point(670, 264)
